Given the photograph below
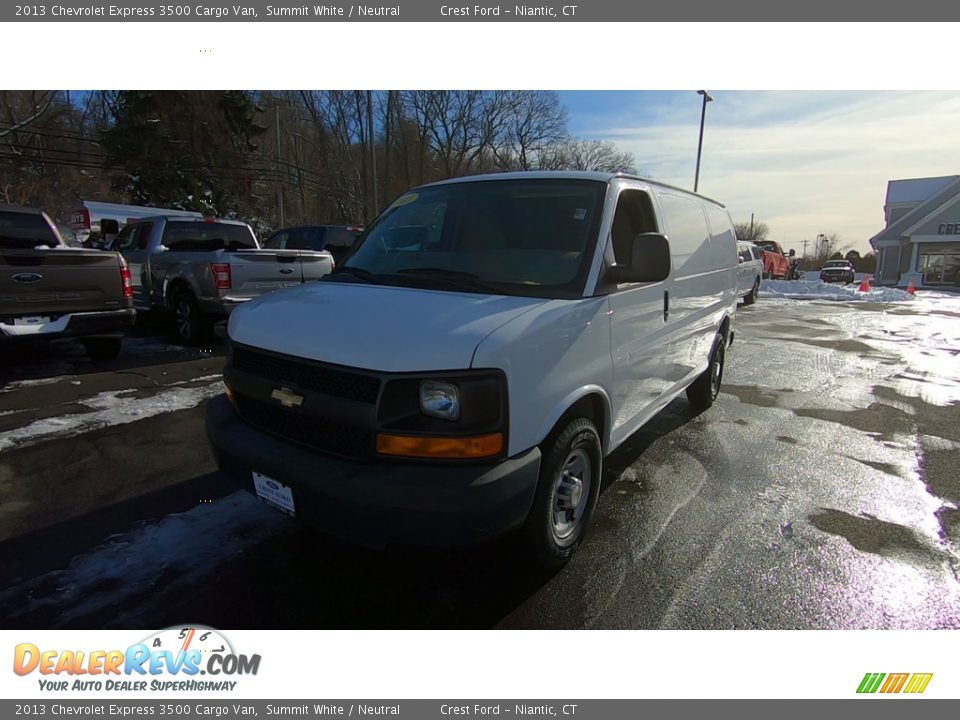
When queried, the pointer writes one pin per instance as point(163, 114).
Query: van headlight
point(440, 399)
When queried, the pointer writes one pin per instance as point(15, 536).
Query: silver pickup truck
point(200, 269)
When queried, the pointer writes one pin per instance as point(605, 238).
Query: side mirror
point(649, 260)
point(792, 252)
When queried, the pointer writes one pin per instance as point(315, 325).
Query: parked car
point(837, 271)
point(749, 272)
point(201, 269)
point(776, 263)
point(49, 290)
point(465, 372)
point(335, 239)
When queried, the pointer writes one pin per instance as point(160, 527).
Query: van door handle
point(666, 305)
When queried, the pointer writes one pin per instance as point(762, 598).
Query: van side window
point(634, 215)
point(688, 234)
point(757, 253)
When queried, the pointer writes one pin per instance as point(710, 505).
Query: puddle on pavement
point(752, 395)
point(872, 535)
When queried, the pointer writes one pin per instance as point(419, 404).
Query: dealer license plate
point(274, 493)
point(31, 320)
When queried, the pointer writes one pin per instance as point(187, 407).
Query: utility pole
point(805, 249)
point(751, 227)
point(373, 157)
point(279, 172)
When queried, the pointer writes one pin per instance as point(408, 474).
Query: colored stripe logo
point(912, 683)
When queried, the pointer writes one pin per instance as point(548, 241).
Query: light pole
point(703, 116)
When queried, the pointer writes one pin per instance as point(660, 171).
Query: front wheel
point(754, 293)
point(567, 492)
point(704, 390)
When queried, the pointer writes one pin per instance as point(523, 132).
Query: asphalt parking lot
point(820, 491)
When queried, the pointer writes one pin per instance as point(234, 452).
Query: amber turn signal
point(230, 395)
point(478, 446)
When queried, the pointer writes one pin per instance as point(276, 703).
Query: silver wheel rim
point(570, 496)
point(183, 319)
point(716, 371)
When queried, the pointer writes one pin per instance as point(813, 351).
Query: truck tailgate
point(52, 283)
point(255, 272)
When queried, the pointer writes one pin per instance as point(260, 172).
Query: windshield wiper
point(459, 278)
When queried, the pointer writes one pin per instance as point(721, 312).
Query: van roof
point(604, 177)
point(187, 219)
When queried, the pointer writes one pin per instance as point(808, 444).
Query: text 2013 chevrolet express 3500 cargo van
point(466, 370)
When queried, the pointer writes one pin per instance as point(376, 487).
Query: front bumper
point(846, 279)
point(80, 324)
point(408, 503)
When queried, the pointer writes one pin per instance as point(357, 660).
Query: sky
point(804, 162)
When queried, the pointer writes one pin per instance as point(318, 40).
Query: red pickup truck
point(776, 263)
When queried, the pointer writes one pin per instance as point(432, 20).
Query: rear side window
point(206, 236)
point(723, 241)
point(688, 234)
point(757, 253)
point(25, 231)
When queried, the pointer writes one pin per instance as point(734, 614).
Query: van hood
point(375, 327)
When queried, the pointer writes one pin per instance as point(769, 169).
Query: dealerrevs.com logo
point(908, 683)
point(170, 660)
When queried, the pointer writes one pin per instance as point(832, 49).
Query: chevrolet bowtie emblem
point(287, 397)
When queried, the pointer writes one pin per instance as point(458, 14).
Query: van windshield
point(510, 237)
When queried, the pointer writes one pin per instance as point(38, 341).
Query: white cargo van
point(465, 371)
point(96, 224)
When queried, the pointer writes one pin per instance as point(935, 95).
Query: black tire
point(191, 327)
point(103, 348)
point(751, 297)
point(553, 533)
point(704, 390)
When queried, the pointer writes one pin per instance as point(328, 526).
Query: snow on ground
point(154, 561)
point(807, 290)
point(107, 409)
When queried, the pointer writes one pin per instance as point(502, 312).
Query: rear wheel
point(103, 348)
point(192, 327)
point(704, 390)
point(567, 492)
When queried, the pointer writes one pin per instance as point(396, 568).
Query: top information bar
point(460, 11)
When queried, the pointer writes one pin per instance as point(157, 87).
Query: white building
point(921, 241)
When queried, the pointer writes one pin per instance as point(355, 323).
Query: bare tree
point(599, 155)
point(751, 233)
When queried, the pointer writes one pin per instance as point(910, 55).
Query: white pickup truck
point(200, 269)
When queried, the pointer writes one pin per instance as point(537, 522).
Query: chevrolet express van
point(467, 368)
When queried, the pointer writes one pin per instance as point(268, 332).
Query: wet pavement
point(820, 491)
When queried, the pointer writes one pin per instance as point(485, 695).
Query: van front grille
point(308, 375)
point(325, 435)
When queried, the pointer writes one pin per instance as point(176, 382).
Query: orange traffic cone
point(911, 288)
point(864, 284)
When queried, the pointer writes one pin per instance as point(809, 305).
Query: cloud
point(803, 162)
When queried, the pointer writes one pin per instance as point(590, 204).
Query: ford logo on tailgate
point(27, 277)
